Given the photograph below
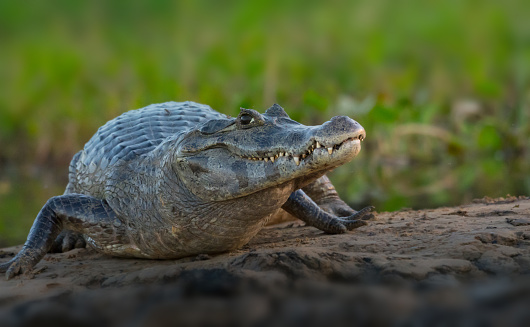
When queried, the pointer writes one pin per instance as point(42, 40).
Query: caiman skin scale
point(178, 179)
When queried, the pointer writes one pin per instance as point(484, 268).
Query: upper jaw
point(316, 147)
point(318, 139)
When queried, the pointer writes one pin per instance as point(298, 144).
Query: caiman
point(179, 179)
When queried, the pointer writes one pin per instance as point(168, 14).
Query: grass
point(441, 87)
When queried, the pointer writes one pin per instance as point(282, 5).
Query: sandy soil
point(467, 263)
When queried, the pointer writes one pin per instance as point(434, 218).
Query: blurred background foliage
point(440, 86)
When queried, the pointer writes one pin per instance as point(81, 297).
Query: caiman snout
point(339, 129)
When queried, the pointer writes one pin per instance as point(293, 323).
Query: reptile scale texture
point(178, 179)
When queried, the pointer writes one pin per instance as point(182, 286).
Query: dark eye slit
point(245, 119)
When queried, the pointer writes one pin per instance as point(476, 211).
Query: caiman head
point(234, 157)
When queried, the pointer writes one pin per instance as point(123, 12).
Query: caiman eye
point(245, 119)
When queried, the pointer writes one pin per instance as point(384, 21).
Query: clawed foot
point(339, 208)
point(14, 267)
point(340, 225)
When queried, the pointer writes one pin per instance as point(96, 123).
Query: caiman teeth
point(296, 160)
point(302, 156)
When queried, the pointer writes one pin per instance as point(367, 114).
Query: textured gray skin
point(177, 179)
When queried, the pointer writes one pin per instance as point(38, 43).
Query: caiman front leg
point(302, 207)
point(75, 212)
point(326, 197)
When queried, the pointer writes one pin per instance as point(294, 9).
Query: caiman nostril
point(362, 134)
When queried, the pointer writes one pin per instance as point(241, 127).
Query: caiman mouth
point(242, 162)
point(300, 156)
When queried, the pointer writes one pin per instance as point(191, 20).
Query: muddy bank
point(466, 262)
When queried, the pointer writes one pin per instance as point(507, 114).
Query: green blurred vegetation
point(440, 86)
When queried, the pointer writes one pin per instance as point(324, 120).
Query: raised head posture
point(179, 179)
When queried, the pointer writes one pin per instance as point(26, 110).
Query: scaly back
point(134, 133)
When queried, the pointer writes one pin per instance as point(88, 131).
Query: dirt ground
point(466, 265)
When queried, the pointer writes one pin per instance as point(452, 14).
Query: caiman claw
point(357, 219)
point(14, 267)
